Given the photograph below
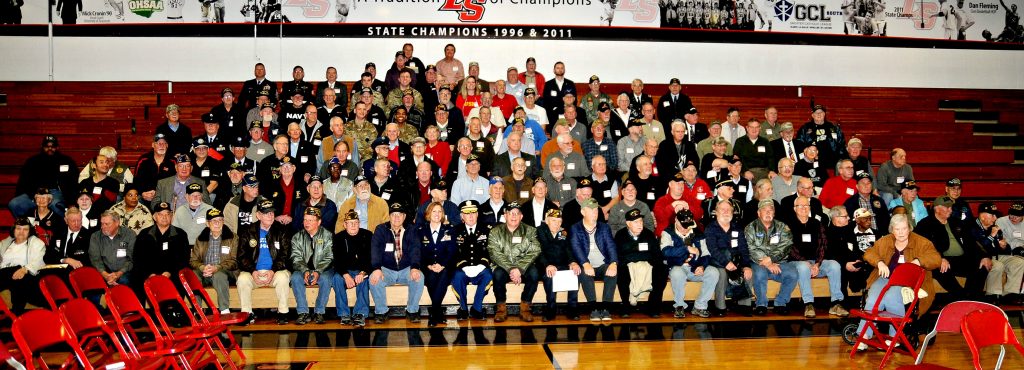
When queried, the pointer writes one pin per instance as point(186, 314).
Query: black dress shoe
point(761, 311)
point(249, 320)
point(461, 315)
point(781, 310)
point(414, 317)
point(477, 315)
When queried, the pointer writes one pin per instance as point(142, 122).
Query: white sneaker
point(225, 311)
point(862, 347)
point(889, 342)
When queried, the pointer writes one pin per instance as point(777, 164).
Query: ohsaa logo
point(469, 10)
point(311, 8)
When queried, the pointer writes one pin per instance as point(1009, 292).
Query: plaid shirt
point(213, 252)
point(610, 153)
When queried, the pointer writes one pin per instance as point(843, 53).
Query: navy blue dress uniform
point(438, 247)
point(232, 121)
point(472, 258)
point(218, 144)
point(251, 89)
point(290, 88)
point(248, 165)
point(673, 107)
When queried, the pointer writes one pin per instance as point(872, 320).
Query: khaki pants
point(1005, 265)
point(246, 284)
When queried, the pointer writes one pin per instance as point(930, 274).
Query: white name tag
point(455, 69)
point(97, 190)
point(665, 104)
point(566, 187)
point(735, 243)
point(385, 196)
point(92, 223)
point(479, 191)
point(337, 91)
point(656, 129)
point(317, 142)
point(389, 247)
point(900, 180)
point(517, 239)
point(528, 163)
point(849, 246)
point(277, 245)
point(712, 174)
point(774, 240)
point(817, 217)
point(571, 166)
point(164, 246)
point(501, 219)
point(261, 151)
point(604, 147)
point(618, 133)
point(225, 250)
point(480, 144)
point(849, 191)
point(1016, 234)
point(768, 132)
point(806, 238)
point(205, 173)
point(121, 187)
point(524, 194)
point(303, 159)
point(642, 247)
point(701, 196)
point(650, 195)
point(606, 193)
point(65, 168)
point(554, 93)
point(375, 121)
point(344, 173)
point(760, 148)
point(629, 151)
point(902, 259)
point(655, 170)
point(815, 165)
point(743, 188)
point(121, 253)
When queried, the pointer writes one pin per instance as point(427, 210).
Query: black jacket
point(250, 89)
point(157, 253)
point(668, 156)
point(279, 241)
point(669, 110)
point(934, 231)
point(556, 249)
point(59, 247)
point(352, 252)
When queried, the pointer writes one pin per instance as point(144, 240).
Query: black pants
point(962, 266)
point(23, 291)
point(855, 281)
point(659, 280)
point(501, 278)
point(436, 284)
point(549, 284)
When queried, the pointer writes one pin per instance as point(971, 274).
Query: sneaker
point(461, 315)
point(380, 318)
point(781, 310)
point(225, 311)
point(476, 315)
point(346, 320)
point(838, 310)
point(249, 320)
point(595, 315)
point(359, 320)
point(282, 319)
point(606, 316)
point(862, 347)
point(414, 317)
point(680, 313)
point(318, 318)
point(702, 313)
point(809, 311)
point(889, 343)
point(761, 310)
point(303, 319)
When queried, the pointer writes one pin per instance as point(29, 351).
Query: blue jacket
point(678, 253)
point(719, 243)
point(443, 252)
point(581, 243)
point(383, 236)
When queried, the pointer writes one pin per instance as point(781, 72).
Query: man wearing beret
point(213, 257)
point(264, 258)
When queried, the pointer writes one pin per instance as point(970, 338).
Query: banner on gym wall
point(979, 20)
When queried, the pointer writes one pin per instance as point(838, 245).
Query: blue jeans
point(322, 295)
point(679, 275)
point(341, 295)
point(787, 277)
point(892, 302)
point(392, 277)
point(24, 204)
point(829, 269)
point(482, 281)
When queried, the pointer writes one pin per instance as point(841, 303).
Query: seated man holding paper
point(472, 261)
point(644, 270)
point(560, 268)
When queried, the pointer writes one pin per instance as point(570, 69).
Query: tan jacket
point(917, 248)
point(377, 209)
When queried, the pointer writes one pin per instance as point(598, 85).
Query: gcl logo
point(469, 10)
point(783, 10)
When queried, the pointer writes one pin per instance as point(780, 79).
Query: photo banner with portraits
point(977, 20)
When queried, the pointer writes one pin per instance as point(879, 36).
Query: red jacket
point(836, 191)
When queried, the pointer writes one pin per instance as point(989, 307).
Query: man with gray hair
point(111, 249)
point(575, 164)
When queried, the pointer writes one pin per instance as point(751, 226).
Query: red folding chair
point(10, 356)
point(55, 291)
point(160, 290)
point(98, 340)
point(949, 321)
point(88, 279)
point(197, 295)
point(905, 275)
point(38, 330)
point(127, 311)
point(987, 328)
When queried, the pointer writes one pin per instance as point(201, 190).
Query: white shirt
point(538, 209)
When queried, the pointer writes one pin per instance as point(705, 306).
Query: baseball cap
point(193, 188)
point(250, 180)
point(265, 206)
point(861, 212)
point(512, 205)
point(685, 218)
point(439, 185)
point(944, 201)
point(953, 182)
point(227, 90)
point(634, 214)
point(603, 106)
point(214, 213)
point(316, 178)
point(162, 206)
point(530, 91)
point(863, 175)
point(584, 183)
point(673, 81)
point(692, 110)
point(50, 139)
point(765, 203)
point(594, 78)
point(589, 203)
point(156, 137)
point(990, 208)
point(472, 158)
point(818, 107)
point(909, 184)
point(396, 207)
point(359, 179)
point(1016, 209)
point(171, 107)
